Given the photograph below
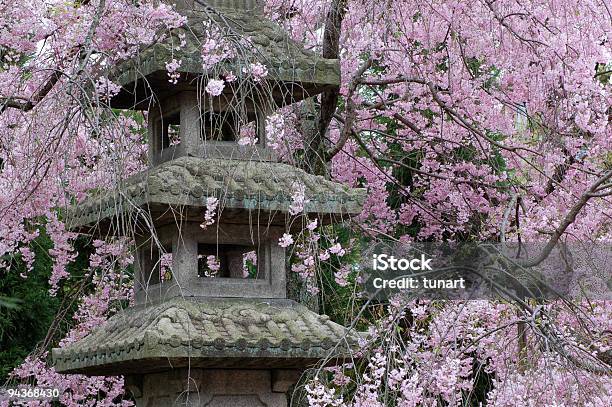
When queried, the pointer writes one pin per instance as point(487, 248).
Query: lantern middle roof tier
point(238, 184)
point(293, 72)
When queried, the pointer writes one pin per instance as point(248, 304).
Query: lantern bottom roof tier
point(241, 186)
point(207, 333)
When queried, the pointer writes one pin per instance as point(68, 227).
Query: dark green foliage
point(22, 328)
point(24, 324)
point(483, 384)
point(340, 303)
point(10, 303)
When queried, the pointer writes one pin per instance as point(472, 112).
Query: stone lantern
point(228, 334)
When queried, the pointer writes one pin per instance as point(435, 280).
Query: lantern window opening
point(229, 261)
point(171, 131)
point(219, 126)
point(156, 263)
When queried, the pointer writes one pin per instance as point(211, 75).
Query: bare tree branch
point(329, 98)
point(351, 111)
point(27, 104)
point(567, 221)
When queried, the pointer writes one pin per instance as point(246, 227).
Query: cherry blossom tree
point(464, 120)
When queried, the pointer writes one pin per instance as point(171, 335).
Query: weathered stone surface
point(183, 243)
point(227, 333)
point(209, 388)
point(240, 184)
point(263, 41)
point(250, 5)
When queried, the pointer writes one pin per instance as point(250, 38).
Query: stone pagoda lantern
point(198, 334)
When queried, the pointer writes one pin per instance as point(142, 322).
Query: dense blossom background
point(465, 120)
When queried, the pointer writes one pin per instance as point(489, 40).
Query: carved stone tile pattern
point(208, 328)
point(238, 184)
point(268, 42)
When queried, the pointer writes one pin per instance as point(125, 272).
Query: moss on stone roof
point(206, 333)
point(263, 41)
point(188, 181)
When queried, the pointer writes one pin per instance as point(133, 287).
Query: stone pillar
point(212, 388)
point(190, 122)
point(184, 258)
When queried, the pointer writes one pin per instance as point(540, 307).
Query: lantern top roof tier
point(207, 333)
point(243, 185)
point(250, 39)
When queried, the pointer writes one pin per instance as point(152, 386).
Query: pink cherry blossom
point(257, 70)
point(462, 120)
point(212, 203)
point(172, 68)
point(215, 87)
point(286, 240)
